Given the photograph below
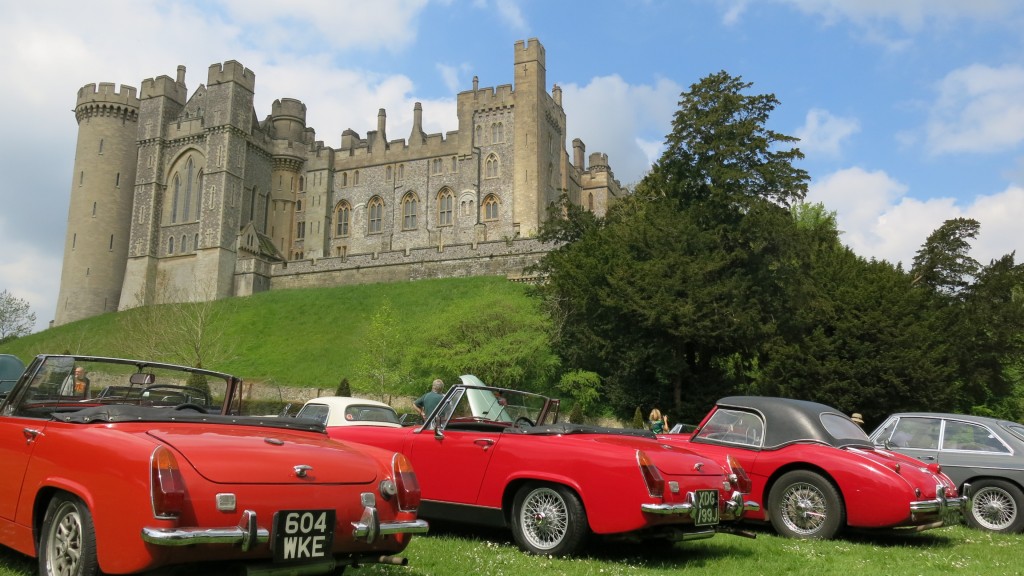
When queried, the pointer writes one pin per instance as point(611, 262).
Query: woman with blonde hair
point(658, 422)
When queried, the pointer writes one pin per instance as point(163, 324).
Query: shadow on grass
point(14, 563)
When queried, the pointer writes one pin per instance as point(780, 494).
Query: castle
point(178, 198)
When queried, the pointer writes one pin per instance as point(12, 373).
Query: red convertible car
point(498, 457)
point(818, 472)
point(120, 466)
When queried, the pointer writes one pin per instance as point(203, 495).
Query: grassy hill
point(307, 337)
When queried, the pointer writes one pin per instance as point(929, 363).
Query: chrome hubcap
point(994, 509)
point(544, 518)
point(64, 546)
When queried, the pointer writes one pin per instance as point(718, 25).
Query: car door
point(451, 460)
point(970, 449)
point(19, 431)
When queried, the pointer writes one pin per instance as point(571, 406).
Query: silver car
point(986, 453)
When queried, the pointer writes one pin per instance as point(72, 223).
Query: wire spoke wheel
point(545, 518)
point(994, 509)
point(803, 508)
point(805, 504)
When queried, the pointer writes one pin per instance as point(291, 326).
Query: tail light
point(166, 487)
point(738, 476)
point(406, 484)
point(655, 482)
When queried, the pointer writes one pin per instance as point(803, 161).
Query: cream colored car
point(349, 411)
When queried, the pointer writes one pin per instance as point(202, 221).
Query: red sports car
point(494, 456)
point(818, 472)
point(122, 466)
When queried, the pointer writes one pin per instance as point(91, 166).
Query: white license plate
point(303, 535)
point(705, 510)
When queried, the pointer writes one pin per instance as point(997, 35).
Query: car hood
point(251, 455)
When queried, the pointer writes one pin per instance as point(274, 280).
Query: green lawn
point(956, 550)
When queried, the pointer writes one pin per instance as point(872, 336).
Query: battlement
point(484, 98)
point(106, 92)
point(163, 86)
point(289, 108)
point(232, 71)
point(530, 51)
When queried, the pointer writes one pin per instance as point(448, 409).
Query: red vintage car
point(817, 472)
point(123, 466)
point(498, 457)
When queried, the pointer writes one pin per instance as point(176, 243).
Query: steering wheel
point(522, 419)
point(191, 406)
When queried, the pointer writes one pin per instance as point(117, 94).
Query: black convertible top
point(129, 413)
point(788, 421)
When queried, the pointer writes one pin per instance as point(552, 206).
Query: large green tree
point(16, 317)
point(682, 281)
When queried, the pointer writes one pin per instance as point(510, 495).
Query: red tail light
point(655, 482)
point(408, 487)
point(738, 476)
point(166, 487)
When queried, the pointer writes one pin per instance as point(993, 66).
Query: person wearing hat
point(857, 418)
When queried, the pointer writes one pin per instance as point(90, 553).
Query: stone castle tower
point(209, 202)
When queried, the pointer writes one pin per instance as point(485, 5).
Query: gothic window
point(101, 145)
point(184, 244)
point(93, 209)
point(497, 132)
point(174, 199)
point(199, 193)
point(342, 216)
point(375, 215)
point(435, 166)
point(344, 179)
point(301, 230)
point(445, 199)
point(491, 167)
point(355, 178)
point(590, 201)
point(298, 205)
point(387, 174)
point(170, 245)
point(195, 242)
point(479, 135)
point(455, 164)
point(111, 247)
point(302, 184)
point(491, 208)
point(410, 206)
point(117, 180)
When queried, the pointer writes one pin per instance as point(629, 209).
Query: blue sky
point(910, 112)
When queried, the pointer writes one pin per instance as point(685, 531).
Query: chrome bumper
point(248, 534)
point(950, 509)
point(735, 507)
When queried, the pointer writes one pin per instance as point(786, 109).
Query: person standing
point(425, 404)
point(658, 422)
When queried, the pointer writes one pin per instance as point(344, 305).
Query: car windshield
point(496, 405)
point(62, 384)
point(734, 427)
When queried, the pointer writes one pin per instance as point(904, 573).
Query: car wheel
point(549, 520)
point(996, 506)
point(805, 505)
point(67, 542)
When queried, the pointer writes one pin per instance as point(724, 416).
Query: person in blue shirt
point(425, 404)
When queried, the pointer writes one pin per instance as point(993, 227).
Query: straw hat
point(857, 418)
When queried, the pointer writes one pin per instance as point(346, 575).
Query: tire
point(805, 505)
point(996, 506)
point(67, 541)
point(549, 520)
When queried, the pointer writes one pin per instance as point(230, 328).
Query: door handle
point(30, 434)
point(926, 458)
point(484, 443)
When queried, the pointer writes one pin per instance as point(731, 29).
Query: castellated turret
point(100, 207)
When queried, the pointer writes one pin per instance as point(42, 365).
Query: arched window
point(497, 132)
point(355, 178)
point(170, 245)
point(590, 201)
point(387, 174)
point(491, 207)
point(342, 216)
point(401, 172)
point(302, 184)
point(184, 243)
point(195, 242)
point(479, 135)
point(344, 179)
point(491, 167)
point(199, 193)
point(186, 203)
point(410, 206)
point(174, 199)
point(375, 215)
point(445, 200)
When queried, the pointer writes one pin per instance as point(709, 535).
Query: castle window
point(298, 205)
point(302, 184)
point(436, 166)
point(341, 218)
point(497, 132)
point(93, 209)
point(301, 230)
point(81, 177)
point(445, 199)
point(387, 174)
point(174, 199)
point(401, 172)
point(355, 178)
point(344, 179)
point(455, 164)
point(189, 167)
point(409, 207)
point(195, 242)
point(184, 244)
point(491, 167)
point(479, 135)
point(491, 208)
point(590, 201)
point(74, 240)
point(375, 214)
point(199, 193)
point(111, 247)
point(101, 145)
point(117, 180)
point(170, 245)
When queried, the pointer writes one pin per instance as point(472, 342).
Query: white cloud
point(621, 120)
point(978, 109)
point(511, 13)
point(824, 133)
point(878, 220)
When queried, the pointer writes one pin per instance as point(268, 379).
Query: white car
point(348, 411)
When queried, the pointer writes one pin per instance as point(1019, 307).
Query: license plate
point(705, 510)
point(303, 535)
